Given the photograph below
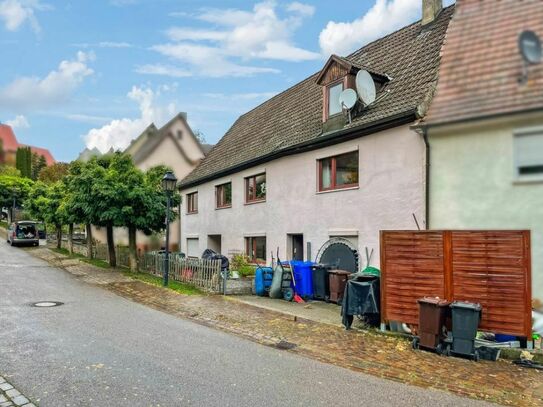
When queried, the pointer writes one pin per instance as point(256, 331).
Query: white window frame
point(517, 134)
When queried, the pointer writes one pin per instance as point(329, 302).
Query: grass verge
point(157, 281)
point(95, 262)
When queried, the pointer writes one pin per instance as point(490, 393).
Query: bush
point(240, 263)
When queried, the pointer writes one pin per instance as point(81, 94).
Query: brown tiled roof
point(481, 63)
point(410, 57)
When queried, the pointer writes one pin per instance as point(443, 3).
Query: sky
point(78, 74)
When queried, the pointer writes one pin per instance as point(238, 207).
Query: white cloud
point(32, 92)
point(160, 69)
point(104, 44)
point(15, 13)
point(236, 37)
point(383, 18)
point(208, 61)
point(19, 122)
point(118, 133)
point(303, 9)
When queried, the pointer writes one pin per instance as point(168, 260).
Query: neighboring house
point(9, 146)
point(293, 172)
point(173, 145)
point(485, 126)
point(88, 153)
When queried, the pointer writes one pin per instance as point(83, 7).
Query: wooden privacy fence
point(202, 273)
point(492, 268)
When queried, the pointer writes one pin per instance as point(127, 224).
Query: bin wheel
point(288, 294)
point(415, 343)
point(476, 356)
point(447, 351)
point(326, 298)
point(439, 349)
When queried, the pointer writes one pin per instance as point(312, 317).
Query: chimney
point(430, 10)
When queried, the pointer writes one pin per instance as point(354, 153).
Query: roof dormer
point(337, 75)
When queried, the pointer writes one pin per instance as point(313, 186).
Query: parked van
point(23, 233)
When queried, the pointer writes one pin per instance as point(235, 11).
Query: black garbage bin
point(465, 322)
point(361, 298)
point(321, 282)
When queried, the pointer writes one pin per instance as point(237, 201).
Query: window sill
point(255, 202)
point(192, 213)
point(528, 180)
point(218, 208)
point(327, 191)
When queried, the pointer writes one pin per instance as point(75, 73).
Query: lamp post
point(169, 182)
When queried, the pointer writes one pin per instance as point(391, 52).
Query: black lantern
point(169, 182)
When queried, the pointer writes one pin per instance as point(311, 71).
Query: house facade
point(173, 145)
point(9, 146)
point(297, 170)
point(485, 127)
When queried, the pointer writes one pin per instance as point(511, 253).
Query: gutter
point(323, 140)
point(427, 176)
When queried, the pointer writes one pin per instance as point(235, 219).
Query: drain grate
point(284, 345)
point(45, 304)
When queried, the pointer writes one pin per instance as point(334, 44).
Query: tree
point(54, 173)
point(200, 136)
point(79, 181)
point(10, 171)
point(23, 161)
point(38, 164)
point(13, 191)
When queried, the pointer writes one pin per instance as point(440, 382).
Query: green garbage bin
point(465, 322)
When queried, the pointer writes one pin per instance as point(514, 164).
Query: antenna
point(347, 100)
point(530, 49)
point(365, 87)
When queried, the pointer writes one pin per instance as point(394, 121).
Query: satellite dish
point(347, 98)
point(530, 47)
point(365, 87)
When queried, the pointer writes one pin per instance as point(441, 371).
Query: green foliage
point(9, 170)
point(46, 203)
point(240, 263)
point(38, 164)
point(23, 161)
point(54, 173)
point(14, 187)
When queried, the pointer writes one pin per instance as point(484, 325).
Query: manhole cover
point(45, 304)
point(284, 345)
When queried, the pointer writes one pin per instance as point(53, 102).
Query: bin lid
point(434, 301)
point(466, 305)
point(339, 272)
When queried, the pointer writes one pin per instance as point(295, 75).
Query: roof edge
point(324, 140)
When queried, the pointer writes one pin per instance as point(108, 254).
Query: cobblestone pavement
point(10, 396)
point(365, 351)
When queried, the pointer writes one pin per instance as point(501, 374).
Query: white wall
point(473, 184)
point(390, 190)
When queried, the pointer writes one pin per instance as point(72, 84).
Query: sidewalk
point(364, 351)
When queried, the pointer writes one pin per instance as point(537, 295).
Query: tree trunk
point(132, 249)
point(88, 227)
point(71, 238)
point(59, 236)
point(111, 246)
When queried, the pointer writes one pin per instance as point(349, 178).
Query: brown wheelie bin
point(433, 315)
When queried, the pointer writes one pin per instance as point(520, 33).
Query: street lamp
point(169, 182)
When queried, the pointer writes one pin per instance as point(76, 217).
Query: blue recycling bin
point(303, 277)
point(263, 280)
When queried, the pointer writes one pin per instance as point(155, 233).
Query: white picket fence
point(202, 273)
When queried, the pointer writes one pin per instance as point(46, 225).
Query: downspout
point(427, 176)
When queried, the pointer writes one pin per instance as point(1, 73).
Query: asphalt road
point(99, 349)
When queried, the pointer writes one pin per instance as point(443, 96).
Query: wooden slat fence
point(202, 273)
point(492, 268)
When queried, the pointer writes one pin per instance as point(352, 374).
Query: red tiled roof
point(481, 63)
point(9, 141)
